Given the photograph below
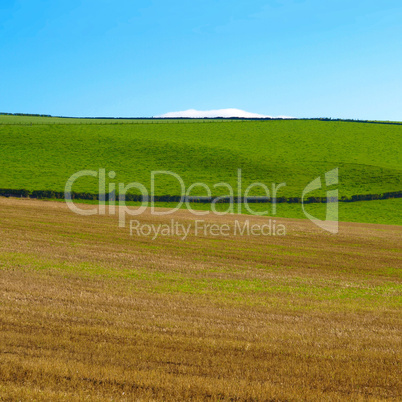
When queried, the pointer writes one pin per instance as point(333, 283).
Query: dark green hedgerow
point(49, 194)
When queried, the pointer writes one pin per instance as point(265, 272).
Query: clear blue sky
point(302, 58)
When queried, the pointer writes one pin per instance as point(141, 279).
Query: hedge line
point(205, 118)
point(49, 194)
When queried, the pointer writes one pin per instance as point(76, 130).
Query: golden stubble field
point(88, 312)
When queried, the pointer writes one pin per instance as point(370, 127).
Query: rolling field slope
point(89, 312)
point(39, 153)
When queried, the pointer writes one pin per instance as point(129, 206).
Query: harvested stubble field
point(88, 312)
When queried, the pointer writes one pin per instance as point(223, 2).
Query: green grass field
point(41, 153)
point(384, 212)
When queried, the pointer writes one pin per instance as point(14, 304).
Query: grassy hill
point(43, 152)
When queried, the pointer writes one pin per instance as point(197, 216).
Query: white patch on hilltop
point(192, 113)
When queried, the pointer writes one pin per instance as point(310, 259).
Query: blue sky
point(302, 58)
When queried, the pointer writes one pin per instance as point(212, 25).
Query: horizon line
point(200, 118)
